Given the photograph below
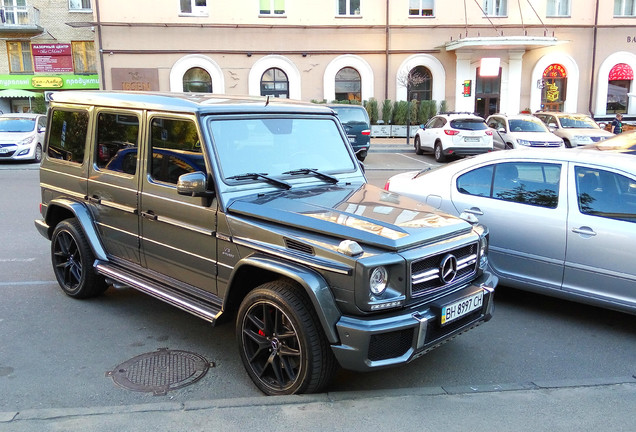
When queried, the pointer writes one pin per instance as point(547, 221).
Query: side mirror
point(42, 129)
point(193, 184)
point(501, 130)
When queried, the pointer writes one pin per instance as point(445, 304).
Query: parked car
point(355, 120)
point(257, 209)
point(621, 143)
point(22, 136)
point(453, 134)
point(574, 129)
point(521, 131)
point(562, 222)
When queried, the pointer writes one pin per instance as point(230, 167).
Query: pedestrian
point(617, 124)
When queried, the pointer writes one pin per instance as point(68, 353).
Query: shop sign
point(467, 88)
point(52, 57)
point(552, 92)
point(40, 82)
point(555, 71)
point(144, 79)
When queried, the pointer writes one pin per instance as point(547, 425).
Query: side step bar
point(205, 310)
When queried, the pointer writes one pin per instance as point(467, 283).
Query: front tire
point(418, 146)
point(282, 346)
point(72, 260)
point(37, 154)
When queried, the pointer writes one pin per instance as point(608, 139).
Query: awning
point(17, 93)
point(621, 71)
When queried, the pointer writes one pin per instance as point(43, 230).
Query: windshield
point(578, 122)
point(275, 146)
point(468, 124)
point(527, 125)
point(16, 124)
point(351, 115)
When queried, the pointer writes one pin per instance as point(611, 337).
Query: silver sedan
point(562, 221)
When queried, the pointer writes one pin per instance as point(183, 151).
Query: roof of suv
point(454, 115)
point(188, 102)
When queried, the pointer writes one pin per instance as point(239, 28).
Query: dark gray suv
point(255, 208)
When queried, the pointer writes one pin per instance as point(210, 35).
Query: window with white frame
point(348, 7)
point(558, 8)
point(79, 5)
point(272, 7)
point(496, 7)
point(421, 7)
point(624, 8)
point(193, 7)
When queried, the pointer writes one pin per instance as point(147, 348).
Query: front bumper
point(16, 151)
point(397, 338)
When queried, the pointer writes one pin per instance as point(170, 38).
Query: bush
point(443, 106)
point(413, 112)
point(387, 111)
point(428, 109)
point(372, 109)
point(400, 110)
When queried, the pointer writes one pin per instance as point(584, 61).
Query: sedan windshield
point(279, 147)
point(518, 125)
point(16, 124)
point(578, 122)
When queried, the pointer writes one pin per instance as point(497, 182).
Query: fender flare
point(312, 282)
point(83, 215)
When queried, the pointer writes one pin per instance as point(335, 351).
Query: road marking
point(16, 260)
point(6, 284)
point(416, 159)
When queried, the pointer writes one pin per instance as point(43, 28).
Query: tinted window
point(176, 149)
point(67, 137)
point(352, 115)
point(518, 125)
point(521, 182)
point(606, 194)
point(468, 124)
point(117, 136)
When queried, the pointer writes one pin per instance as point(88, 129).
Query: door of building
point(487, 94)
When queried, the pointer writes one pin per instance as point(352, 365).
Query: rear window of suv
point(468, 124)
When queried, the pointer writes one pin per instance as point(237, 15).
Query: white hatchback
point(521, 131)
point(453, 134)
point(22, 136)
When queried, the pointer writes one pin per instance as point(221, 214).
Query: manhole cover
point(160, 371)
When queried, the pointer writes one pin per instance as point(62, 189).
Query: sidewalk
point(591, 406)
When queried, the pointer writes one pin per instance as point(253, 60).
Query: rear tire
point(282, 345)
point(72, 259)
point(439, 153)
point(418, 146)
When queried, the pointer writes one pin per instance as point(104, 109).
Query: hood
point(536, 136)
point(363, 213)
point(14, 137)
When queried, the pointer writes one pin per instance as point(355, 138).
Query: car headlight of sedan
point(523, 142)
point(26, 141)
point(378, 281)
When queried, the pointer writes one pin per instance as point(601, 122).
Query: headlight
point(26, 141)
point(483, 251)
point(523, 142)
point(378, 280)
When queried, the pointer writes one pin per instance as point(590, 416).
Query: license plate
point(471, 139)
point(352, 139)
point(4, 150)
point(456, 310)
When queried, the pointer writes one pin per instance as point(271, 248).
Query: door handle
point(149, 215)
point(584, 231)
point(475, 211)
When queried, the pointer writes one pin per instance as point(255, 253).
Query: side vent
point(298, 246)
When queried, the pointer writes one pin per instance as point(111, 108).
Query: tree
point(409, 80)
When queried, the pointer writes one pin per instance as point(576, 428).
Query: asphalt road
point(55, 352)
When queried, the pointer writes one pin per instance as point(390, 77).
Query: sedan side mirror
point(193, 184)
point(501, 130)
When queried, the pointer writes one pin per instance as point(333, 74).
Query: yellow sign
point(552, 93)
point(47, 82)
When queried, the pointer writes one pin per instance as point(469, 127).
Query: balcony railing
point(17, 17)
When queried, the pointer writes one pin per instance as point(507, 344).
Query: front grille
point(11, 153)
point(390, 345)
point(425, 273)
point(597, 138)
point(544, 144)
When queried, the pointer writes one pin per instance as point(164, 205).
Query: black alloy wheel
point(282, 347)
point(72, 259)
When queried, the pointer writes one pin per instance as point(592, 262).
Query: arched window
point(553, 93)
point(197, 80)
point(348, 85)
point(421, 84)
point(274, 82)
point(619, 83)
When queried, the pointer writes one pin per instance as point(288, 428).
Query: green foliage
point(428, 109)
point(38, 105)
point(387, 111)
point(443, 106)
point(372, 109)
point(400, 110)
point(413, 112)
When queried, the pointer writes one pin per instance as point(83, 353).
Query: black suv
point(259, 208)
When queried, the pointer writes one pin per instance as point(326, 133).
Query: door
point(521, 203)
point(113, 182)
point(177, 232)
point(487, 94)
point(601, 235)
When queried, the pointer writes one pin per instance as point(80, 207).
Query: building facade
point(43, 50)
point(477, 55)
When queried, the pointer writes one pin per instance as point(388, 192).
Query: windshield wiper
point(330, 179)
point(264, 176)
